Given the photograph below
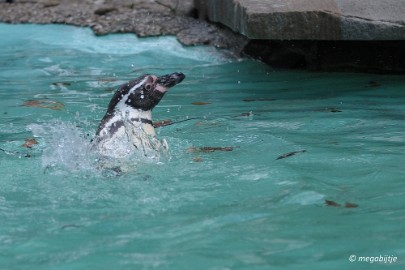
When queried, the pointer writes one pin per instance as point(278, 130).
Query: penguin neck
point(139, 118)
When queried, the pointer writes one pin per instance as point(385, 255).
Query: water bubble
point(238, 82)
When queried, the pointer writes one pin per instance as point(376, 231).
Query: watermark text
point(387, 259)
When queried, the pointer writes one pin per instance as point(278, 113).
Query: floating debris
point(208, 149)
point(346, 205)
point(373, 84)
point(332, 203)
point(70, 226)
point(258, 99)
point(46, 104)
point(289, 154)
point(29, 143)
point(200, 103)
point(61, 84)
point(168, 122)
point(162, 123)
point(334, 110)
point(213, 149)
point(351, 205)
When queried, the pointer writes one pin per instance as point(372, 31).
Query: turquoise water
point(239, 209)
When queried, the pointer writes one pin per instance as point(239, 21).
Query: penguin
point(127, 126)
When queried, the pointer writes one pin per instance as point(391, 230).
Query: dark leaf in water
point(208, 149)
point(248, 114)
point(29, 143)
point(46, 104)
point(61, 84)
point(289, 154)
point(351, 205)
point(213, 149)
point(334, 110)
point(70, 226)
point(200, 103)
point(162, 123)
point(346, 205)
point(248, 100)
point(331, 203)
point(257, 99)
point(373, 84)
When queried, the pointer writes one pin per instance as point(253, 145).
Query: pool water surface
point(267, 168)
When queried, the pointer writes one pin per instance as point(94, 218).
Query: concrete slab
point(310, 19)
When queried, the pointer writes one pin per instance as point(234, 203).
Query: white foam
point(64, 146)
point(67, 148)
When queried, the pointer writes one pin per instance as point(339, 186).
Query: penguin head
point(144, 92)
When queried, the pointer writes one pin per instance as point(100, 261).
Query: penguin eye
point(148, 87)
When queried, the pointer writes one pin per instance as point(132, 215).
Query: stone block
point(310, 19)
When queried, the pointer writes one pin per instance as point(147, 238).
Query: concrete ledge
point(310, 19)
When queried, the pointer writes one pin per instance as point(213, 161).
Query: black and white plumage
point(127, 126)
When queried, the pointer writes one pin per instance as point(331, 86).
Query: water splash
point(65, 146)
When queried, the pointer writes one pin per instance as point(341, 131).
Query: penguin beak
point(170, 80)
